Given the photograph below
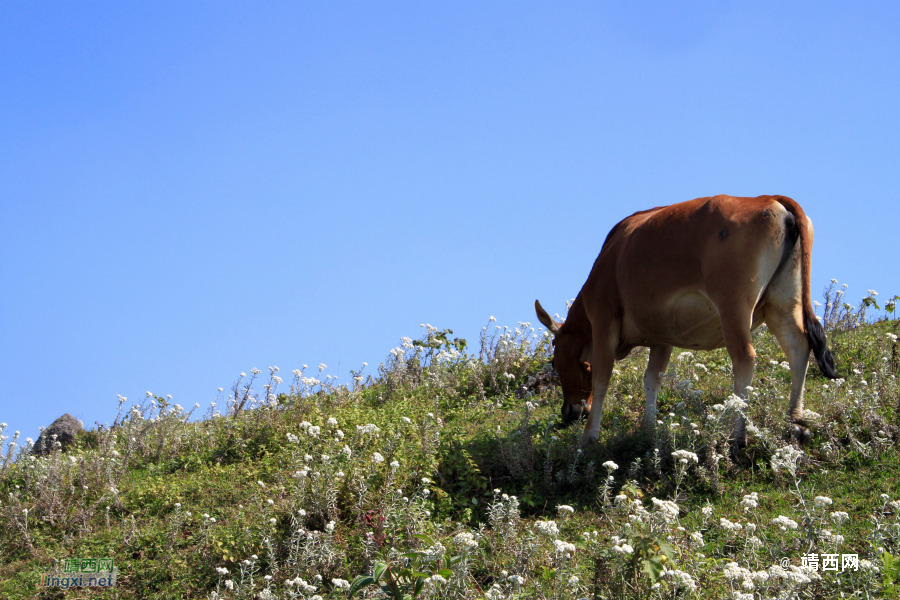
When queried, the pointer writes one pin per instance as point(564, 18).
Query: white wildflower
point(684, 456)
point(730, 526)
point(839, 517)
point(341, 584)
point(666, 508)
point(548, 528)
point(784, 523)
point(750, 501)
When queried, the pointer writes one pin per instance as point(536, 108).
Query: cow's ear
point(586, 367)
point(545, 319)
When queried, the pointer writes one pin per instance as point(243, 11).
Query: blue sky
point(190, 190)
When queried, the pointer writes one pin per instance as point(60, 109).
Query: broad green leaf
point(359, 583)
point(653, 567)
point(668, 549)
point(378, 571)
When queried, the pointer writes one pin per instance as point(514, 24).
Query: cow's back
point(661, 270)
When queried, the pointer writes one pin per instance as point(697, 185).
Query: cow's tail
point(815, 333)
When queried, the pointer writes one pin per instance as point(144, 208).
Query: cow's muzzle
point(573, 412)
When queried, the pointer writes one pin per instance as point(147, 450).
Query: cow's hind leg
point(786, 324)
point(659, 360)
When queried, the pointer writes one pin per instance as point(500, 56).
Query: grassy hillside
point(446, 475)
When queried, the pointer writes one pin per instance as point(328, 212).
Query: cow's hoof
point(801, 433)
point(738, 440)
point(588, 440)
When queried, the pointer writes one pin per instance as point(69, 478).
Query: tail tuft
point(815, 335)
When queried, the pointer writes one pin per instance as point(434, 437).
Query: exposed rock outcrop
point(64, 428)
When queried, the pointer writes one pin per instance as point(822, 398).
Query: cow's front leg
point(656, 366)
point(601, 373)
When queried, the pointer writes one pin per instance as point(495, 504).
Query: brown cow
point(700, 275)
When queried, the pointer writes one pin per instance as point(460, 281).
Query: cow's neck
point(578, 323)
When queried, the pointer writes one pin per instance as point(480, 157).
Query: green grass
point(469, 434)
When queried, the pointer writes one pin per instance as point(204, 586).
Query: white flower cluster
point(784, 523)
point(310, 429)
point(340, 584)
point(301, 584)
point(839, 517)
point(750, 501)
point(465, 541)
point(832, 538)
point(746, 578)
point(731, 527)
point(435, 582)
point(866, 565)
point(547, 528)
point(736, 402)
point(683, 457)
point(667, 509)
point(794, 575)
point(786, 459)
point(680, 579)
point(435, 552)
point(564, 548)
point(620, 546)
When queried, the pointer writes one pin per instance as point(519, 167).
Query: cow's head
point(570, 360)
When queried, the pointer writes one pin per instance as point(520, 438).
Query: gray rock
point(64, 428)
point(538, 381)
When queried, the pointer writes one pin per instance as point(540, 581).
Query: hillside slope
point(450, 470)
